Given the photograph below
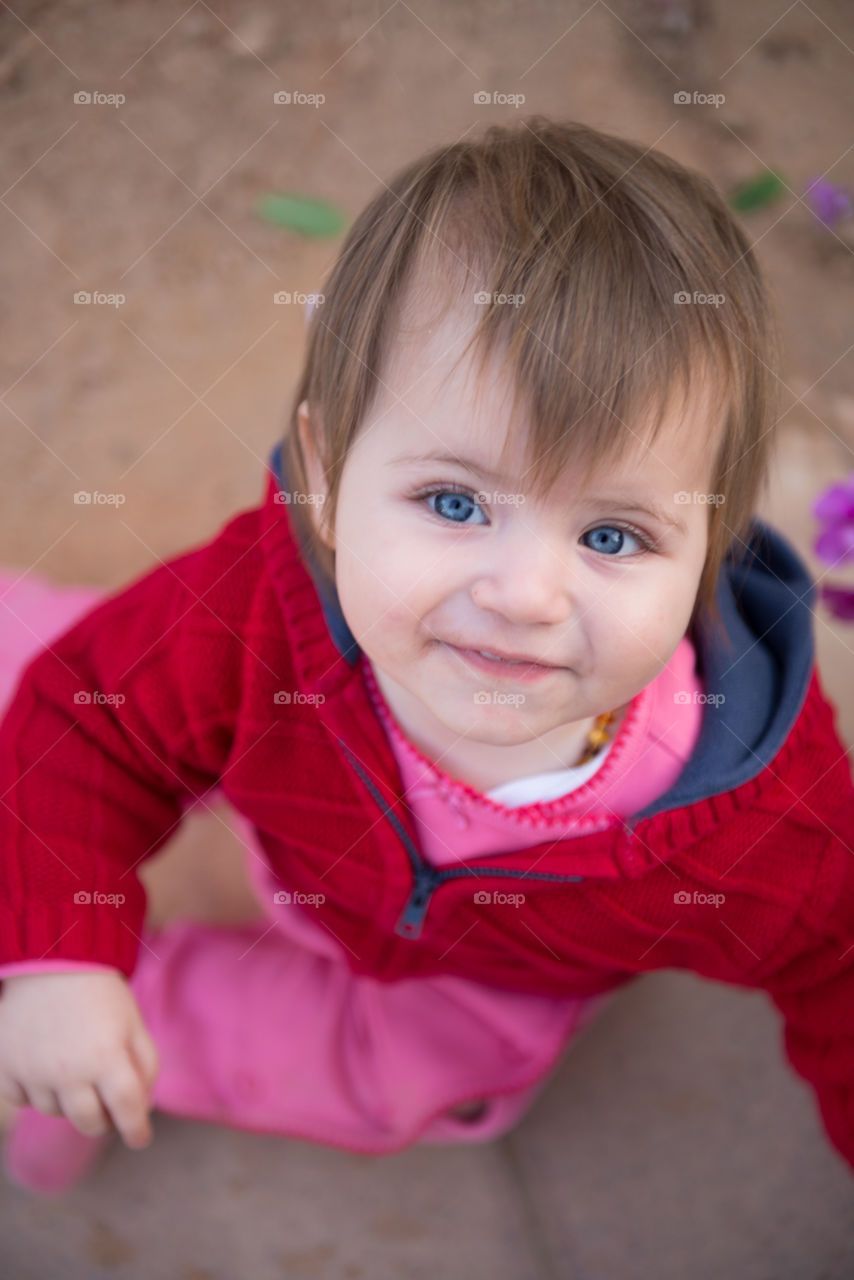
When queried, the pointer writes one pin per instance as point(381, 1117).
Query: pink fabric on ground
point(34, 611)
point(47, 1153)
point(265, 1027)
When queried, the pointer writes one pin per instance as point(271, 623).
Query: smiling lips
point(522, 659)
point(524, 669)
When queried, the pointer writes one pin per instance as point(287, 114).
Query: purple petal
point(839, 601)
point(836, 545)
point(836, 503)
point(828, 201)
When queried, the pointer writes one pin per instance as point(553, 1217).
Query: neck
point(483, 766)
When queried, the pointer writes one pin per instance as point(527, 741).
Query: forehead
point(432, 401)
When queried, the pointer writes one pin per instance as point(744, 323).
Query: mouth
point(517, 668)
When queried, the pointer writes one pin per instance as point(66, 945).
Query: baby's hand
point(75, 1044)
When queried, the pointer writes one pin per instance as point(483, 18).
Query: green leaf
point(764, 189)
point(309, 217)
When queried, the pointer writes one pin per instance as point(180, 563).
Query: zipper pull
point(411, 920)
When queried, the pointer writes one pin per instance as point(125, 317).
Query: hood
point(765, 595)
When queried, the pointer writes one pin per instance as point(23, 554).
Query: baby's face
point(489, 567)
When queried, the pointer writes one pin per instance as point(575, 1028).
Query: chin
point(497, 733)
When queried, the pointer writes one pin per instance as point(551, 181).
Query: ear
point(314, 472)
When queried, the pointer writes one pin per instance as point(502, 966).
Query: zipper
point(427, 877)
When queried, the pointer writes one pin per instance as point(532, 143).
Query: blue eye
point(614, 537)
point(460, 504)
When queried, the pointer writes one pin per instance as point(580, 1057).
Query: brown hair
point(599, 235)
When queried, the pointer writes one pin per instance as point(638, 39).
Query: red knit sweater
point(219, 668)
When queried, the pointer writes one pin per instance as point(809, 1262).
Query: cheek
point(378, 588)
point(642, 619)
point(393, 564)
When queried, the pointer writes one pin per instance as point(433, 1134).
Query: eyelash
point(424, 494)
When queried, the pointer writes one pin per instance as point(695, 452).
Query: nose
point(526, 578)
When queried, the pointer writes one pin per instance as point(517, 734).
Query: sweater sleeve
point(114, 729)
point(814, 991)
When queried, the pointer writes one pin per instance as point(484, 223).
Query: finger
point(124, 1095)
point(82, 1106)
point(147, 1058)
point(44, 1100)
point(13, 1092)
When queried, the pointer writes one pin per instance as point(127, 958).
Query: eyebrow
point(626, 502)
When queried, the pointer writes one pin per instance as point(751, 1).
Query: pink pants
point(264, 1026)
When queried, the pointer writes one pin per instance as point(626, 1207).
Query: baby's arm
point(113, 731)
point(51, 966)
point(813, 987)
point(75, 1044)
